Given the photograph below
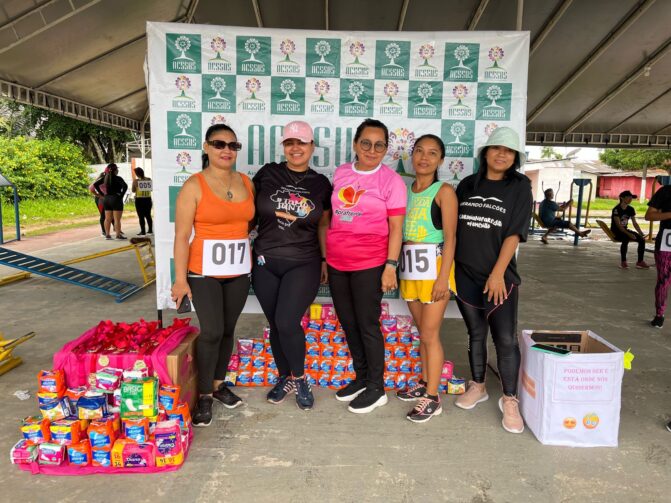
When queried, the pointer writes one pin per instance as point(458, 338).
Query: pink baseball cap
point(297, 129)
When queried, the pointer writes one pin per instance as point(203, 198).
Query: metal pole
point(17, 220)
point(580, 182)
point(520, 15)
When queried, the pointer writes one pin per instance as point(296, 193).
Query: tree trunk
point(100, 153)
point(644, 179)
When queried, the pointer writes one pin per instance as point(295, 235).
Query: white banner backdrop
point(457, 85)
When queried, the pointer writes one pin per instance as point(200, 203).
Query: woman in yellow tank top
point(429, 239)
point(213, 270)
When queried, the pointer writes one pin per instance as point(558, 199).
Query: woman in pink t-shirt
point(362, 248)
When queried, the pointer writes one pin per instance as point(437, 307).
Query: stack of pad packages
point(328, 362)
point(123, 419)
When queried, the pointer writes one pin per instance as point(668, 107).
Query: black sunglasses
point(221, 144)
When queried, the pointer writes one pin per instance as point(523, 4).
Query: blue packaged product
point(390, 381)
point(323, 381)
point(325, 366)
point(392, 366)
point(342, 352)
point(259, 378)
point(92, 407)
point(338, 338)
point(311, 338)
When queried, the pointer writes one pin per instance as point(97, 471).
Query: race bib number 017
point(665, 245)
point(228, 257)
point(418, 262)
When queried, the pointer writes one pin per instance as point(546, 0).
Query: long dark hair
point(441, 146)
point(111, 170)
point(208, 134)
point(512, 173)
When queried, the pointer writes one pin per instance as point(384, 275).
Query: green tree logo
point(218, 119)
point(460, 92)
point(391, 90)
point(183, 122)
point(495, 55)
point(392, 51)
point(323, 49)
point(489, 128)
point(183, 44)
point(494, 93)
point(218, 85)
point(356, 49)
point(183, 161)
point(426, 52)
point(183, 84)
point(252, 47)
point(288, 87)
point(253, 86)
point(356, 89)
point(461, 54)
point(425, 91)
point(458, 129)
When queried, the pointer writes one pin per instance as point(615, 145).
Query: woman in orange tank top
point(217, 205)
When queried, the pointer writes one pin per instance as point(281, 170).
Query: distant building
point(612, 184)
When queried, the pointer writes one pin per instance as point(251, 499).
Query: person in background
point(430, 221)
point(115, 190)
point(213, 270)
point(659, 210)
point(363, 244)
point(293, 204)
point(494, 212)
point(620, 217)
point(143, 203)
point(98, 198)
point(547, 213)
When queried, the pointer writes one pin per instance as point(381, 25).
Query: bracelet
point(393, 263)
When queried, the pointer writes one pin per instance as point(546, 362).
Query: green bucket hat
point(506, 137)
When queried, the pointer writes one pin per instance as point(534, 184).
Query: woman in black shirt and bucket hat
point(494, 212)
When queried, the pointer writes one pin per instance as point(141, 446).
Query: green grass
point(608, 204)
point(41, 216)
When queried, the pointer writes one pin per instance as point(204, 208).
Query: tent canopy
point(599, 70)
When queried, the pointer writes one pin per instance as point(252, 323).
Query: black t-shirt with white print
point(661, 200)
point(488, 215)
point(288, 207)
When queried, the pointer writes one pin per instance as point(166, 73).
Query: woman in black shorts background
point(116, 189)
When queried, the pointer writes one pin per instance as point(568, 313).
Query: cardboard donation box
point(181, 366)
point(571, 400)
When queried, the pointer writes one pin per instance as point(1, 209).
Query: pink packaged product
point(403, 322)
point(51, 454)
point(388, 324)
point(168, 440)
point(108, 379)
point(23, 452)
point(234, 363)
point(139, 455)
point(304, 321)
point(245, 347)
point(266, 333)
point(448, 370)
point(385, 308)
point(328, 312)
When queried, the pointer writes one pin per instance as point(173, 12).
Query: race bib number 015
point(665, 245)
point(228, 257)
point(418, 262)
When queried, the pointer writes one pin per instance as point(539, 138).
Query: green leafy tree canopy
point(634, 160)
point(550, 153)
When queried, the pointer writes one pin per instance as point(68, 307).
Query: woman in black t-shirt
point(115, 190)
point(659, 210)
point(494, 212)
point(293, 206)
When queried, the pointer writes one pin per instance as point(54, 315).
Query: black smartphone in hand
point(185, 306)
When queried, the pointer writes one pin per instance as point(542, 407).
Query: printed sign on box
point(571, 400)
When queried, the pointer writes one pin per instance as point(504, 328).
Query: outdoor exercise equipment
point(7, 360)
point(580, 183)
point(6, 183)
point(661, 180)
point(121, 290)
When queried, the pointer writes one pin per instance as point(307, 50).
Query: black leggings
point(480, 317)
point(621, 236)
point(285, 289)
point(356, 298)
point(143, 207)
point(101, 209)
point(218, 303)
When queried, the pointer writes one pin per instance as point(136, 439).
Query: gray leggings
point(218, 303)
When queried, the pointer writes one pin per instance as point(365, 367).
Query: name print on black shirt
point(480, 221)
point(291, 205)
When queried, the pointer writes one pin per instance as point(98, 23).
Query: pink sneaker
point(475, 393)
point(623, 265)
point(512, 420)
point(642, 265)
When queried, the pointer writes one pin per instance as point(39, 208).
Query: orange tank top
point(218, 219)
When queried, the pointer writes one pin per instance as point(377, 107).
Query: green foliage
point(634, 160)
point(43, 168)
point(550, 153)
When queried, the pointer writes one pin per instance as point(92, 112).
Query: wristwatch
point(393, 263)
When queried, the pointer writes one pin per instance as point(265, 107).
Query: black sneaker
point(368, 401)
point(203, 415)
point(425, 410)
point(304, 397)
point(657, 322)
point(350, 392)
point(412, 393)
point(227, 397)
point(284, 386)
